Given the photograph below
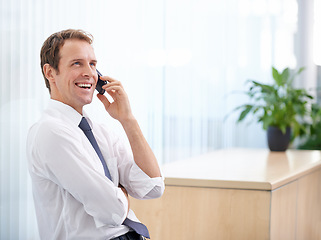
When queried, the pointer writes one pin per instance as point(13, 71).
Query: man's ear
point(49, 72)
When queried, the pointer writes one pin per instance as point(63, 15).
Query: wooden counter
point(242, 169)
point(238, 194)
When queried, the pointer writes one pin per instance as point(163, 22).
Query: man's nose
point(89, 71)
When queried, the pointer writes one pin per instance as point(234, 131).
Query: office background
point(184, 65)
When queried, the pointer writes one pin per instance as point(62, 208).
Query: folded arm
point(72, 169)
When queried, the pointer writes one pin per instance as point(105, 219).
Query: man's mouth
point(84, 85)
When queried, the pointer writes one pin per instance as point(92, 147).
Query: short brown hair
point(50, 49)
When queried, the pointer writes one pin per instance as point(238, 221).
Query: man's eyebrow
point(81, 59)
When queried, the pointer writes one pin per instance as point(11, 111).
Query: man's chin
point(88, 101)
point(84, 101)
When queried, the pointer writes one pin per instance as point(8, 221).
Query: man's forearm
point(143, 154)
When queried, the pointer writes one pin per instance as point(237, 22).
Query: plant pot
point(278, 141)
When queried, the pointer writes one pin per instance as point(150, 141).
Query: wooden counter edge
point(295, 176)
point(185, 182)
point(250, 185)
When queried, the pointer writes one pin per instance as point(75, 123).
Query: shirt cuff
point(142, 184)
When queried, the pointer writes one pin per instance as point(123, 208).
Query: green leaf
point(244, 113)
point(265, 88)
point(283, 129)
point(300, 70)
point(285, 76)
point(276, 76)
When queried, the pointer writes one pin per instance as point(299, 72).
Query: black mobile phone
point(100, 83)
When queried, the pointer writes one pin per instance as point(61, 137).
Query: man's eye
point(76, 63)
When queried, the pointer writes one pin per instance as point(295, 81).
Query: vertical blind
point(180, 62)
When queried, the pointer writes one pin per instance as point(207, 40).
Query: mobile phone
point(100, 83)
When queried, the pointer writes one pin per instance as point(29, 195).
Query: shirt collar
point(68, 112)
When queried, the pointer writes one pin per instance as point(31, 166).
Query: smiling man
point(81, 172)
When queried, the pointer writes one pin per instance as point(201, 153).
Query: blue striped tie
point(137, 226)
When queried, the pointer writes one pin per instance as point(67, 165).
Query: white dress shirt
point(73, 197)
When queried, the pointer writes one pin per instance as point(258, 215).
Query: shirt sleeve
point(137, 183)
point(59, 156)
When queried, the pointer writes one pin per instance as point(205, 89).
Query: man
point(80, 187)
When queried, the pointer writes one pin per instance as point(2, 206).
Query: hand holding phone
point(100, 83)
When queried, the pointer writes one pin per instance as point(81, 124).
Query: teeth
point(84, 85)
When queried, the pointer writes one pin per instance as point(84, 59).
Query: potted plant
point(278, 106)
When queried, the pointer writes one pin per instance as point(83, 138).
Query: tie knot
point(84, 125)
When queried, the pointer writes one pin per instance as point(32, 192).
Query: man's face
point(75, 83)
